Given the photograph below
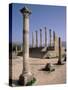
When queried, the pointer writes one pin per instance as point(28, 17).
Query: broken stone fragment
point(49, 67)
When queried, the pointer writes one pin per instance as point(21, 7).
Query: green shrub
point(31, 82)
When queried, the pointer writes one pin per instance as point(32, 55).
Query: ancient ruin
point(26, 75)
point(59, 52)
point(34, 59)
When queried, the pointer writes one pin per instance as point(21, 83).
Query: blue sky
point(52, 17)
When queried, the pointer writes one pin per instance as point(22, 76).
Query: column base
point(26, 80)
point(59, 63)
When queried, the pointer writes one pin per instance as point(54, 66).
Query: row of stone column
point(51, 41)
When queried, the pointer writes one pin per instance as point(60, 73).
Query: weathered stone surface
point(49, 67)
point(54, 39)
point(59, 52)
point(45, 37)
point(32, 39)
point(56, 45)
point(36, 38)
point(24, 79)
point(26, 73)
point(52, 52)
point(50, 33)
point(40, 37)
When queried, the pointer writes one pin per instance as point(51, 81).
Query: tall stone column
point(56, 45)
point(45, 37)
point(32, 39)
point(36, 38)
point(54, 39)
point(59, 52)
point(50, 37)
point(26, 73)
point(40, 37)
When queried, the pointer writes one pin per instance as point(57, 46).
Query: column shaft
point(26, 44)
point(54, 39)
point(32, 39)
point(36, 38)
point(45, 37)
point(40, 37)
point(59, 49)
point(50, 37)
point(26, 75)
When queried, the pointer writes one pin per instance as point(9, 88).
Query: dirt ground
point(43, 77)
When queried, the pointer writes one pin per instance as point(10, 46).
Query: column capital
point(49, 29)
point(40, 29)
point(45, 28)
point(25, 10)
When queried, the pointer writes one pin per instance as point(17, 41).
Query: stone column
point(59, 52)
point(56, 45)
point(45, 37)
point(36, 38)
point(54, 39)
point(26, 73)
point(40, 37)
point(50, 37)
point(32, 39)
